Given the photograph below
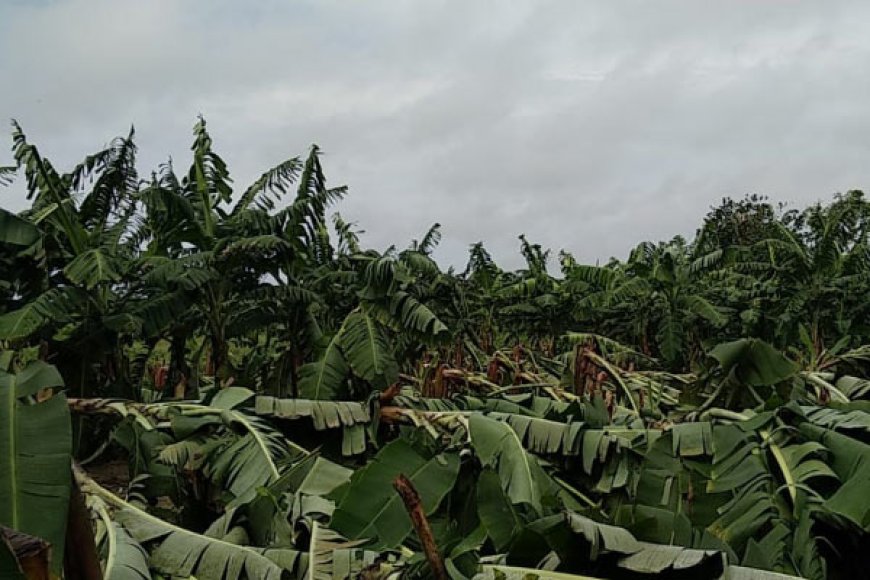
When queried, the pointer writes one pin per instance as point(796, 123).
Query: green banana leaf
point(35, 455)
point(370, 508)
point(17, 231)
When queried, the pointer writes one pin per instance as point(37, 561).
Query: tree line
point(109, 266)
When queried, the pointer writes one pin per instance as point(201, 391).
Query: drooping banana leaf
point(748, 499)
point(35, 455)
point(850, 459)
point(325, 378)
point(54, 305)
point(609, 551)
point(324, 414)
point(753, 362)
point(773, 481)
point(499, 572)
point(497, 515)
point(126, 559)
point(360, 347)
point(415, 317)
point(16, 230)
point(350, 416)
point(176, 551)
point(245, 452)
point(123, 557)
point(330, 556)
point(297, 497)
point(603, 451)
point(367, 350)
point(854, 387)
point(498, 445)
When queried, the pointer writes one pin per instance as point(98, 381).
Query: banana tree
point(229, 271)
point(360, 355)
point(656, 299)
point(820, 263)
point(534, 302)
point(83, 217)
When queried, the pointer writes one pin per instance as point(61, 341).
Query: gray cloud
point(588, 126)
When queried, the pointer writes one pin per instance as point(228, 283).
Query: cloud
point(587, 126)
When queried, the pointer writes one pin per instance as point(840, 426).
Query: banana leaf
point(35, 455)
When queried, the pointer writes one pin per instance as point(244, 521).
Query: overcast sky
point(589, 126)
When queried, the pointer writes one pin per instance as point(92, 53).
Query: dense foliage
point(697, 410)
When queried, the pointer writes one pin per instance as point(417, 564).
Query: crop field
point(212, 380)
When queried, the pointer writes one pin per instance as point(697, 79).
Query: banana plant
point(655, 297)
point(83, 217)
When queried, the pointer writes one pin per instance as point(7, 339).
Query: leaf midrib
point(333, 344)
point(89, 484)
point(374, 346)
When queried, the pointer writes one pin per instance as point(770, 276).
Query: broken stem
point(414, 506)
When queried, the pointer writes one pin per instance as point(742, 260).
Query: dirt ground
point(112, 474)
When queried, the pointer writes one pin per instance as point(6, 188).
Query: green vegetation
point(699, 410)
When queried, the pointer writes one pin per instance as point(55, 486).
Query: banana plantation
point(205, 380)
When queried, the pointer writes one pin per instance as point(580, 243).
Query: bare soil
point(113, 474)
